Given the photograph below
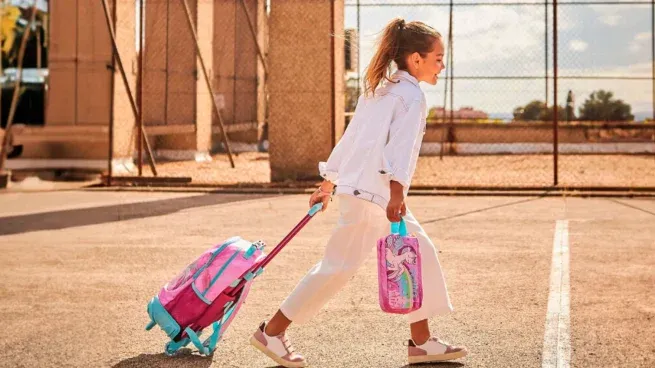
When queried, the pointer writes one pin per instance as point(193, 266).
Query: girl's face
point(427, 69)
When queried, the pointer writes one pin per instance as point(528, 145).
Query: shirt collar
point(402, 74)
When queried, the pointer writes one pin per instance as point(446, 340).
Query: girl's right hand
point(322, 195)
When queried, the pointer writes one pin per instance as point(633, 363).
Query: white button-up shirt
point(381, 143)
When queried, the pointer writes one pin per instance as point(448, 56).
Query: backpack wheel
point(168, 349)
point(172, 348)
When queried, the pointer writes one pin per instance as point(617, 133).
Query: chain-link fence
point(200, 83)
point(491, 120)
point(193, 88)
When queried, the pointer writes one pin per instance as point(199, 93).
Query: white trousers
point(361, 224)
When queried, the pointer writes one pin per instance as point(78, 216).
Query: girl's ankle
point(420, 340)
point(272, 331)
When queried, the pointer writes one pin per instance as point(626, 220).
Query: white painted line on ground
point(557, 337)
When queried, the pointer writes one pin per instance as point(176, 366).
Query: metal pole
point(452, 81)
point(14, 100)
point(2, 71)
point(168, 14)
point(652, 50)
point(110, 156)
point(333, 133)
point(546, 48)
point(359, 42)
point(445, 130)
point(135, 111)
point(235, 64)
point(139, 146)
point(555, 117)
point(209, 86)
point(39, 64)
point(38, 49)
point(254, 38)
point(77, 60)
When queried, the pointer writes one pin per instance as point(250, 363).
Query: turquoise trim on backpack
point(250, 251)
point(232, 240)
point(212, 340)
point(160, 316)
point(235, 283)
point(249, 276)
point(199, 294)
point(220, 272)
point(172, 346)
point(196, 341)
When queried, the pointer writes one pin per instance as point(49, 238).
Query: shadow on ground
point(483, 209)
point(184, 359)
point(56, 220)
point(435, 365)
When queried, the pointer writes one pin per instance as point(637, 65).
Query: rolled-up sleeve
point(329, 170)
point(398, 152)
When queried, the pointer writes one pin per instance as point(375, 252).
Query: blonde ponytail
point(398, 40)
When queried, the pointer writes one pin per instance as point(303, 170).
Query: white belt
point(361, 194)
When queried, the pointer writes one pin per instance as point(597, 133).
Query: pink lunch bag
point(399, 271)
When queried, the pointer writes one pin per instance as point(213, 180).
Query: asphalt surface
point(78, 268)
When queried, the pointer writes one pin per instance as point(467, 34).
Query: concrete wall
point(177, 105)
point(80, 51)
point(238, 77)
point(304, 86)
point(536, 132)
point(170, 74)
point(80, 80)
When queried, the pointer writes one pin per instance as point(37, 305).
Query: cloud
point(640, 41)
point(483, 34)
point(578, 45)
point(610, 19)
point(607, 14)
point(509, 40)
point(642, 70)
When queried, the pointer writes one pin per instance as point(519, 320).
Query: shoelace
point(439, 341)
point(287, 344)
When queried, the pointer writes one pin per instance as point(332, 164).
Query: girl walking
point(372, 167)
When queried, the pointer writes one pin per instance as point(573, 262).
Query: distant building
point(464, 113)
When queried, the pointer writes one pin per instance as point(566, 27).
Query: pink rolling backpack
point(399, 271)
point(210, 291)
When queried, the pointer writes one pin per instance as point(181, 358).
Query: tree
point(602, 106)
point(536, 111)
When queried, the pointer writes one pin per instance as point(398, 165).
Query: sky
point(509, 40)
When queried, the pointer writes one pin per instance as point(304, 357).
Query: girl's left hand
point(395, 209)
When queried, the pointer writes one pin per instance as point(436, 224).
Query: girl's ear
point(415, 59)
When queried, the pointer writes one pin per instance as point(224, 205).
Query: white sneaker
point(277, 348)
point(434, 350)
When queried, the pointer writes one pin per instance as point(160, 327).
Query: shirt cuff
point(329, 175)
point(400, 176)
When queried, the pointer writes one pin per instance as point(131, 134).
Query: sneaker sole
point(436, 358)
point(285, 363)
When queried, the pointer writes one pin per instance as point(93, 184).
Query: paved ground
point(78, 268)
